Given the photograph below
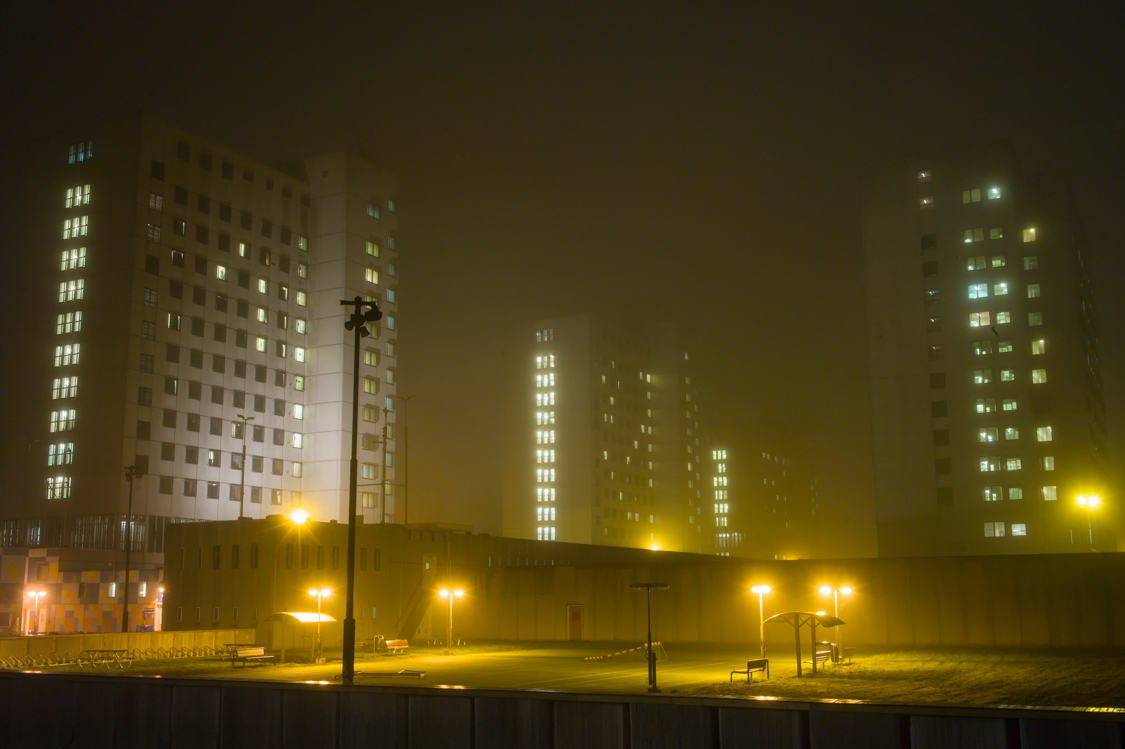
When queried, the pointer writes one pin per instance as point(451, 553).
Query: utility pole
point(131, 472)
point(651, 655)
point(242, 481)
point(356, 323)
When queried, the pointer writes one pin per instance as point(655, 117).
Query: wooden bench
point(397, 646)
point(249, 653)
point(845, 653)
point(758, 665)
point(822, 657)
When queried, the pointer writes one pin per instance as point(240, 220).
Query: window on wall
point(1038, 376)
point(1029, 235)
point(996, 232)
point(970, 196)
point(978, 291)
point(1011, 433)
point(1031, 262)
point(976, 262)
point(982, 376)
point(1034, 319)
point(974, 235)
point(994, 529)
point(1050, 493)
point(979, 319)
point(992, 493)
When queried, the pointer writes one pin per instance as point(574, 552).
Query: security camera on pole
point(357, 323)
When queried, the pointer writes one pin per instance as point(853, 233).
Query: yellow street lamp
point(1088, 504)
point(35, 595)
point(298, 518)
point(322, 593)
point(450, 594)
point(761, 590)
point(827, 589)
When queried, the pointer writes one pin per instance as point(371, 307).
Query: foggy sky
point(649, 161)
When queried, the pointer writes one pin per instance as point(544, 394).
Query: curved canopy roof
point(799, 618)
point(304, 617)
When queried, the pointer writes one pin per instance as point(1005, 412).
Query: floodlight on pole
point(450, 594)
point(651, 655)
point(761, 590)
point(827, 589)
point(1088, 504)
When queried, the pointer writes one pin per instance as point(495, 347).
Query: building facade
point(987, 410)
point(183, 316)
point(608, 448)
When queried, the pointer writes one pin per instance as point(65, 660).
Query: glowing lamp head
point(820, 613)
point(443, 593)
point(312, 592)
point(299, 517)
point(760, 589)
point(654, 547)
point(458, 593)
point(326, 592)
point(846, 590)
point(825, 590)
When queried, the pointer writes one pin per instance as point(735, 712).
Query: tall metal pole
point(651, 661)
point(449, 633)
point(358, 324)
point(319, 646)
point(131, 472)
point(761, 627)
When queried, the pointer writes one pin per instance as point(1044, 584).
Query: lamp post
point(322, 593)
point(651, 655)
point(450, 594)
point(825, 590)
point(1089, 503)
point(242, 481)
point(35, 596)
point(761, 590)
point(405, 456)
point(357, 323)
point(131, 472)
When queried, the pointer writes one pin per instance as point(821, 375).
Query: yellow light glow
point(825, 590)
point(443, 592)
point(325, 592)
point(820, 613)
point(299, 517)
point(312, 592)
point(654, 547)
point(846, 590)
point(760, 589)
point(458, 592)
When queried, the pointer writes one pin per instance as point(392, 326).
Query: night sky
point(647, 161)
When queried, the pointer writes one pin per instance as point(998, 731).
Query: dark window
point(201, 265)
point(172, 353)
point(205, 161)
point(228, 170)
point(216, 426)
point(191, 457)
point(144, 396)
point(216, 394)
point(283, 263)
point(141, 462)
point(929, 269)
point(171, 386)
point(279, 436)
point(938, 409)
point(221, 302)
point(220, 332)
point(256, 465)
point(152, 265)
point(363, 559)
point(286, 235)
point(234, 557)
point(179, 194)
point(183, 151)
point(937, 380)
point(260, 375)
point(279, 380)
point(286, 191)
point(259, 433)
point(216, 556)
point(267, 228)
point(242, 309)
point(212, 490)
point(941, 437)
point(305, 200)
point(157, 170)
point(203, 205)
point(305, 557)
point(196, 359)
point(169, 418)
point(278, 468)
point(198, 295)
point(189, 487)
point(253, 556)
point(246, 221)
point(202, 235)
point(239, 399)
point(376, 558)
point(197, 326)
point(929, 241)
point(224, 212)
point(279, 407)
point(244, 279)
point(176, 289)
point(177, 256)
point(264, 255)
point(239, 368)
point(142, 430)
point(224, 242)
point(219, 364)
point(165, 485)
point(260, 403)
point(179, 228)
point(195, 390)
point(241, 337)
point(193, 422)
point(248, 174)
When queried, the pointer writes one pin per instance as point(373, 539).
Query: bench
point(822, 657)
point(397, 646)
point(758, 665)
point(845, 653)
point(249, 653)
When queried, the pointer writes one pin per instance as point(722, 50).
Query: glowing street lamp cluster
point(763, 590)
point(450, 594)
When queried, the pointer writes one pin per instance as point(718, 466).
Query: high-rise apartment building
point(607, 449)
point(986, 394)
point(181, 314)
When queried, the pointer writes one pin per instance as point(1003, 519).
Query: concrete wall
point(64, 709)
point(17, 647)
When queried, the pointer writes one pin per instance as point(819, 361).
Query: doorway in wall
point(574, 621)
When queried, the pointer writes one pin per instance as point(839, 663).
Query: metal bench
point(397, 646)
point(821, 657)
point(845, 653)
point(758, 665)
point(248, 654)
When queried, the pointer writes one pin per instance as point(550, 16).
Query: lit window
point(933, 296)
point(1004, 347)
point(1029, 235)
point(76, 196)
point(302, 270)
point(60, 454)
point(76, 227)
point(243, 249)
point(298, 440)
point(1043, 434)
point(1031, 262)
point(372, 210)
point(970, 196)
point(371, 275)
point(986, 405)
point(999, 261)
point(978, 291)
point(992, 493)
point(263, 286)
point(987, 434)
point(299, 353)
point(994, 193)
point(303, 243)
point(980, 348)
point(1018, 529)
point(927, 202)
point(1047, 463)
point(67, 354)
point(58, 487)
point(221, 272)
point(62, 421)
point(68, 322)
point(298, 383)
point(925, 176)
point(1007, 375)
point(1015, 492)
point(1000, 289)
point(297, 470)
point(989, 464)
point(263, 314)
point(1011, 433)
point(298, 411)
point(64, 387)
point(974, 235)
point(976, 262)
point(1038, 376)
point(1013, 464)
point(153, 232)
point(1038, 347)
point(1003, 318)
point(1009, 404)
point(260, 343)
point(1050, 493)
point(982, 376)
point(979, 319)
point(302, 299)
point(996, 232)
point(300, 326)
point(1034, 319)
point(72, 259)
point(71, 291)
point(80, 152)
point(1033, 291)
point(156, 201)
point(994, 530)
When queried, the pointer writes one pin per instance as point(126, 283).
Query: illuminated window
point(299, 353)
point(64, 387)
point(263, 314)
point(1031, 262)
point(1047, 463)
point(1009, 404)
point(1018, 529)
point(372, 210)
point(1007, 375)
point(58, 487)
point(81, 151)
point(300, 326)
point(545, 417)
point(72, 259)
point(992, 493)
point(1050, 493)
point(221, 272)
point(76, 227)
point(990, 463)
point(297, 470)
point(153, 232)
point(933, 296)
point(1004, 347)
point(260, 343)
point(1043, 434)
point(545, 399)
point(298, 440)
point(302, 299)
point(974, 235)
point(987, 434)
point(978, 291)
point(994, 530)
point(970, 196)
point(1013, 464)
point(925, 203)
point(1011, 433)
point(999, 261)
point(1029, 235)
point(71, 291)
point(62, 421)
point(1038, 376)
point(980, 348)
point(76, 196)
point(979, 319)
point(1034, 319)
point(303, 243)
point(996, 232)
point(994, 193)
point(1015, 492)
point(67, 354)
point(60, 454)
point(1038, 347)
point(925, 176)
point(263, 286)
point(371, 275)
point(1003, 318)
point(986, 405)
point(69, 322)
point(976, 262)
point(1000, 289)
